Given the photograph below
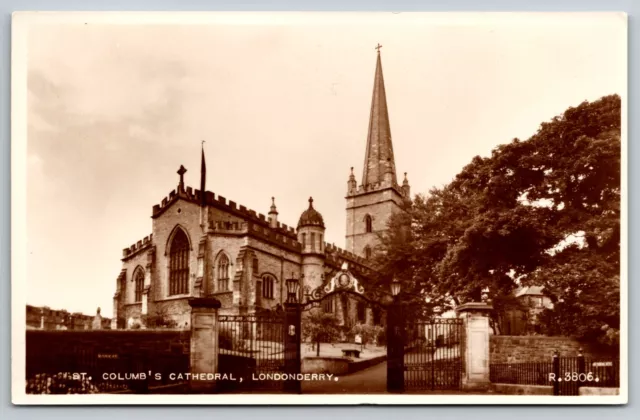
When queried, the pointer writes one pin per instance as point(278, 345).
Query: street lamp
point(293, 286)
point(396, 341)
point(395, 287)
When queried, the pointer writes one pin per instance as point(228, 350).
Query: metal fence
point(565, 374)
point(432, 354)
point(251, 351)
point(532, 373)
point(572, 373)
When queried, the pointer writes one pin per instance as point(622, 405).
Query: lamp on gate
point(395, 287)
point(293, 286)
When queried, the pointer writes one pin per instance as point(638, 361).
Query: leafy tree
point(318, 327)
point(545, 211)
point(368, 333)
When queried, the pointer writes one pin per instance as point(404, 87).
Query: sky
point(113, 110)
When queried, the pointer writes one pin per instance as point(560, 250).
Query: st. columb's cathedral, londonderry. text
point(203, 245)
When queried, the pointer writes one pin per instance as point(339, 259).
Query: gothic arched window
point(179, 264)
point(138, 279)
point(268, 282)
point(368, 224)
point(223, 273)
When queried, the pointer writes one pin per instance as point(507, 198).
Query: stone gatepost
point(474, 348)
point(204, 343)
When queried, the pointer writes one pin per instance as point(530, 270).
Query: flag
point(203, 178)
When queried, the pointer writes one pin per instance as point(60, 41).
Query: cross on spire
point(181, 172)
point(378, 48)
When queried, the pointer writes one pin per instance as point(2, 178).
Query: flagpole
point(203, 187)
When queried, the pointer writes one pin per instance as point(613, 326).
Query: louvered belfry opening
point(179, 264)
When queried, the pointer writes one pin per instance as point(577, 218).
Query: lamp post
point(396, 287)
point(292, 337)
point(293, 286)
point(395, 341)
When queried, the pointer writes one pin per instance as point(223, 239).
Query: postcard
point(319, 208)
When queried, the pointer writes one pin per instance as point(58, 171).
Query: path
point(372, 380)
point(368, 381)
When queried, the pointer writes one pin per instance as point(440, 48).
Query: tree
point(368, 333)
point(319, 326)
point(545, 211)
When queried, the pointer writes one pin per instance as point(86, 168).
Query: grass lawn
point(335, 350)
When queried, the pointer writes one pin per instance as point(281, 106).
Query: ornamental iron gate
point(423, 354)
point(432, 354)
point(256, 352)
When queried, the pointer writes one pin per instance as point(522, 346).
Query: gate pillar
point(203, 358)
point(395, 348)
point(474, 347)
point(292, 339)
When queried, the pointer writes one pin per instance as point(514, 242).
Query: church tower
point(370, 204)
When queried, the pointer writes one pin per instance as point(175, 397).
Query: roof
point(379, 158)
point(529, 291)
point(310, 217)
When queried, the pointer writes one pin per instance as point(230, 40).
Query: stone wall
point(108, 351)
point(537, 348)
point(186, 215)
point(380, 205)
point(129, 265)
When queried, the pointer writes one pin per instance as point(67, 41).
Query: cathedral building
point(204, 245)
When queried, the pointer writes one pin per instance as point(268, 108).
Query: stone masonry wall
point(277, 262)
point(379, 205)
point(139, 260)
point(186, 215)
point(537, 348)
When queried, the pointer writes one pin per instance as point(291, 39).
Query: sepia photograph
point(319, 208)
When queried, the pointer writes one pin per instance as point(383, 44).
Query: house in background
point(525, 321)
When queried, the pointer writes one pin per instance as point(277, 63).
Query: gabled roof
point(530, 291)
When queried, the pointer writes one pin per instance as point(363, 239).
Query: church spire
point(379, 164)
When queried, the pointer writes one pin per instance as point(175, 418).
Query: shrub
point(368, 333)
point(229, 339)
point(320, 327)
point(60, 383)
point(381, 338)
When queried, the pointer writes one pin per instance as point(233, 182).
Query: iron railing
point(251, 351)
point(565, 374)
point(432, 354)
point(531, 373)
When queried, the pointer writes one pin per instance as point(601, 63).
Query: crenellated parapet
point(274, 236)
point(335, 256)
point(377, 186)
point(221, 203)
point(222, 227)
point(134, 249)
